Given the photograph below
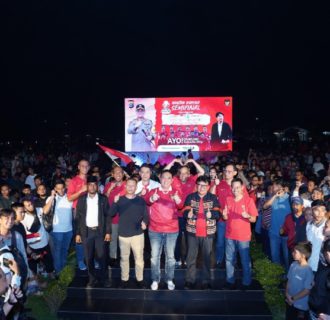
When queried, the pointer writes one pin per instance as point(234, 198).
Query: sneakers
point(170, 285)
point(154, 285)
point(82, 266)
point(178, 264)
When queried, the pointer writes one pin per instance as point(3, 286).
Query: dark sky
point(74, 62)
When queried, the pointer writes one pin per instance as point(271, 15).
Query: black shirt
point(131, 213)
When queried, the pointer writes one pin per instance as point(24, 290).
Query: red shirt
point(121, 190)
point(75, 185)
point(163, 212)
point(239, 228)
point(223, 190)
point(185, 188)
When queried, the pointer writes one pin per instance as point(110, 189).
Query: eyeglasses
point(202, 185)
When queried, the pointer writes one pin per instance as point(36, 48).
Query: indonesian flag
point(115, 154)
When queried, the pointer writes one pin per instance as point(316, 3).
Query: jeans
point(157, 242)
point(279, 245)
point(61, 244)
point(243, 248)
point(193, 246)
point(220, 244)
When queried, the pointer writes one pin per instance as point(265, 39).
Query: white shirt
point(44, 236)
point(92, 211)
point(315, 236)
point(220, 128)
point(62, 221)
point(152, 185)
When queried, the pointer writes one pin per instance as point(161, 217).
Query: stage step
point(136, 304)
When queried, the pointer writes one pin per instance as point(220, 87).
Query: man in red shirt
point(222, 189)
point(186, 183)
point(163, 228)
point(115, 188)
point(239, 212)
point(76, 188)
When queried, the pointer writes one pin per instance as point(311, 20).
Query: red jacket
point(163, 212)
point(290, 230)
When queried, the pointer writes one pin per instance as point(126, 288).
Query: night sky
point(72, 63)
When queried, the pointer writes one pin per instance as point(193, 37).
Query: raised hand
point(208, 214)
point(143, 226)
point(244, 213)
point(176, 197)
point(155, 196)
point(116, 199)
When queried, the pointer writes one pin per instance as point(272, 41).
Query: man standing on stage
point(239, 212)
point(93, 228)
point(186, 183)
point(133, 220)
point(201, 211)
point(141, 130)
point(163, 228)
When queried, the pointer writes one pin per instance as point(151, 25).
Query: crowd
point(185, 208)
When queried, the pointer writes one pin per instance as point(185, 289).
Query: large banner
point(178, 124)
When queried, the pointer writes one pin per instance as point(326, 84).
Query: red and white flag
point(115, 154)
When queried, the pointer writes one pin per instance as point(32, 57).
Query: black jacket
point(226, 133)
point(104, 217)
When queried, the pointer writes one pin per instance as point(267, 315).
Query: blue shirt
point(280, 209)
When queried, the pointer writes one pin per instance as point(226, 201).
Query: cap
point(140, 107)
point(92, 179)
point(297, 200)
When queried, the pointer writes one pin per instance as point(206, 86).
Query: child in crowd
point(300, 282)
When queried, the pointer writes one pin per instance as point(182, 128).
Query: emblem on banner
point(166, 107)
point(131, 104)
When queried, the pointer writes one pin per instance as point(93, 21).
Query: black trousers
point(94, 249)
point(193, 246)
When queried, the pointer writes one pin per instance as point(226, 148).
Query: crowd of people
point(186, 208)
